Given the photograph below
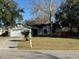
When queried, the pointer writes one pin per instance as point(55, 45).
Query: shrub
point(26, 33)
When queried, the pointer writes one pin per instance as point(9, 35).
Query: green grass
point(47, 43)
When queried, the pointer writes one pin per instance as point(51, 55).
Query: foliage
point(25, 32)
point(68, 14)
point(9, 12)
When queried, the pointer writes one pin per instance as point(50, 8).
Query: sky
point(26, 5)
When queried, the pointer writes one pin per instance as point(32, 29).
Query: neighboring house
point(17, 31)
point(14, 31)
point(39, 27)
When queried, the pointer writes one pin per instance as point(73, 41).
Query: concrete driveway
point(7, 42)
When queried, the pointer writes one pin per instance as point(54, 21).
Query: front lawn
point(47, 43)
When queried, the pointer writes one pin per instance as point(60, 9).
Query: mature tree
point(45, 8)
point(68, 14)
point(9, 12)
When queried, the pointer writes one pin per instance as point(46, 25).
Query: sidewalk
point(5, 42)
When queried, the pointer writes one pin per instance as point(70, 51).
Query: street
point(38, 54)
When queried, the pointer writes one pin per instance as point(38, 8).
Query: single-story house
point(39, 27)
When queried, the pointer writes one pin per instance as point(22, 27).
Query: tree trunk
point(50, 24)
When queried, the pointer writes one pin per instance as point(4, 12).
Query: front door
point(34, 32)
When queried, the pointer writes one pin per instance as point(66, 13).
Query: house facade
point(40, 30)
point(39, 27)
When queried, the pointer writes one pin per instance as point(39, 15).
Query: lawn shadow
point(16, 40)
point(71, 37)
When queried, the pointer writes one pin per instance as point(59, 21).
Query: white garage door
point(16, 33)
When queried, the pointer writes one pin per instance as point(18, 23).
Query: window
point(45, 31)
